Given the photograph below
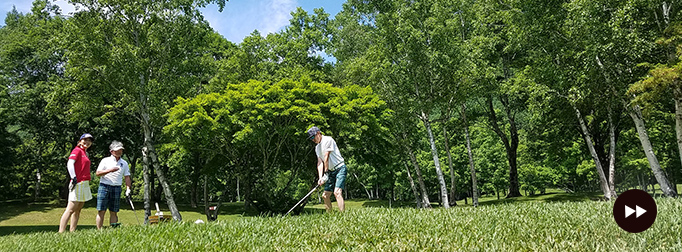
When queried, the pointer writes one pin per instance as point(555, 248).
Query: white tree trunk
point(146, 175)
point(453, 178)
point(612, 155)
point(636, 115)
point(474, 187)
point(426, 203)
point(153, 159)
point(439, 172)
point(604, 184)
point(678, 119)
point(417, 199)
point(39, 179)
point(369, 195)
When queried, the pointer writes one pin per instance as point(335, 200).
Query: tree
point(31, 68)
point(137, 57)
point(499, 43)
point(409, 47)
point(257, 130)
point(663, 78)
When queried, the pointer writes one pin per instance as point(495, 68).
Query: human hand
point(115, 168)
point(128, 192)
point(323, 179)
point(73, 183)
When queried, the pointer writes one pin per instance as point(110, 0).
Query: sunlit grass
point(519, 226)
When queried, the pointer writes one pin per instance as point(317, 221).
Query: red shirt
point(82, 165)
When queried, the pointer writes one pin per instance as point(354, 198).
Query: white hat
point(116, 145)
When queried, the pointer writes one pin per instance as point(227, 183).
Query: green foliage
point(33, 136)
point(292, 53)
point(662, 78)
point(258, 130)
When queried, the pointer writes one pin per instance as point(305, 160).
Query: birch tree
point(137, 57)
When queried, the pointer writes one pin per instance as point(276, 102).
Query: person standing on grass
point(111, 171)
point(79, 185)
point(330, 162)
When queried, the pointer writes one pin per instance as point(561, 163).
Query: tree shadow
point(13, 208)
point(548, 197)
point(387, 204)
point(22, 230)
point(312, 211)
point(226, 208)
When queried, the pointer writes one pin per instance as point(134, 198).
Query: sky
point(236, 21)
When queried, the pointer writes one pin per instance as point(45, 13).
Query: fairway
point(528, 224)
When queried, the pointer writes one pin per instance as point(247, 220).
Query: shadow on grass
point(548, 197)
point(22, 230)
point(387, 204)
point(311, 211)
point(13, 208)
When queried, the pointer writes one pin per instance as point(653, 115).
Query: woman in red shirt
point(79, 185)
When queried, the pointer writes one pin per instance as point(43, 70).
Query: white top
point(113, 178)
point(327, 144)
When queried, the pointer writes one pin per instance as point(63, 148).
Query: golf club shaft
point(134, 212)
point(306, 196)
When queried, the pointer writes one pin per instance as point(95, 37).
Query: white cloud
point(67, 8)
point(278, 13)
point(240, 18)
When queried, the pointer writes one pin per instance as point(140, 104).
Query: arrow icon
point(638, 211)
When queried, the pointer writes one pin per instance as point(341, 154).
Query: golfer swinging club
point(329, 161)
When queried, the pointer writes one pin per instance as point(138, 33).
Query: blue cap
point(87, 135)
point(312, 132)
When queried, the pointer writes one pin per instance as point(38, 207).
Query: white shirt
point(113, 178)
point(327, 144)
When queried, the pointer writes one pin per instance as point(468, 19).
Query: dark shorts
point(337, 178)
point(108, 196)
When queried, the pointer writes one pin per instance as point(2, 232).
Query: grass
point(552, 222)
point(24, 218)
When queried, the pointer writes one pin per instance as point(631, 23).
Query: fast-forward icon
point(638, 211)
point(635, 210)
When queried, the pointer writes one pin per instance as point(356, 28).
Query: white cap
point(116, 145)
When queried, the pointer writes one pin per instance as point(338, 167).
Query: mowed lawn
point(552, 222)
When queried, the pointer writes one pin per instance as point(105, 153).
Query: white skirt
point(81, 192)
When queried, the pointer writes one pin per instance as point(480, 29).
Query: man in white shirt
point(330, 162)
point(111, 171)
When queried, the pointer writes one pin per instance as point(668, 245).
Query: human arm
point(320, 170)
point(129, 185)
point(101, 169)
point(70, 166)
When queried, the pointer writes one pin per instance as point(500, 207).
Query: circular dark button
point(635, 211)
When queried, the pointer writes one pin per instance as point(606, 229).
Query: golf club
point(305, 197)
point(130, 200)
point(324, 180)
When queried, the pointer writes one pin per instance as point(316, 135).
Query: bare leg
point(65, 217)
point(99, 220)
point(113, 217)
point(76, 215)
point(338, 193)
point(327, 200)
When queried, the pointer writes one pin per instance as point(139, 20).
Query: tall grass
point(532, 226)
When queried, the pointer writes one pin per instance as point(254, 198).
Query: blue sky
point(238, 19)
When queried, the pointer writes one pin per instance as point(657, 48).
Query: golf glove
point(73, 183)
point(324, 178)
point(128, 192)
